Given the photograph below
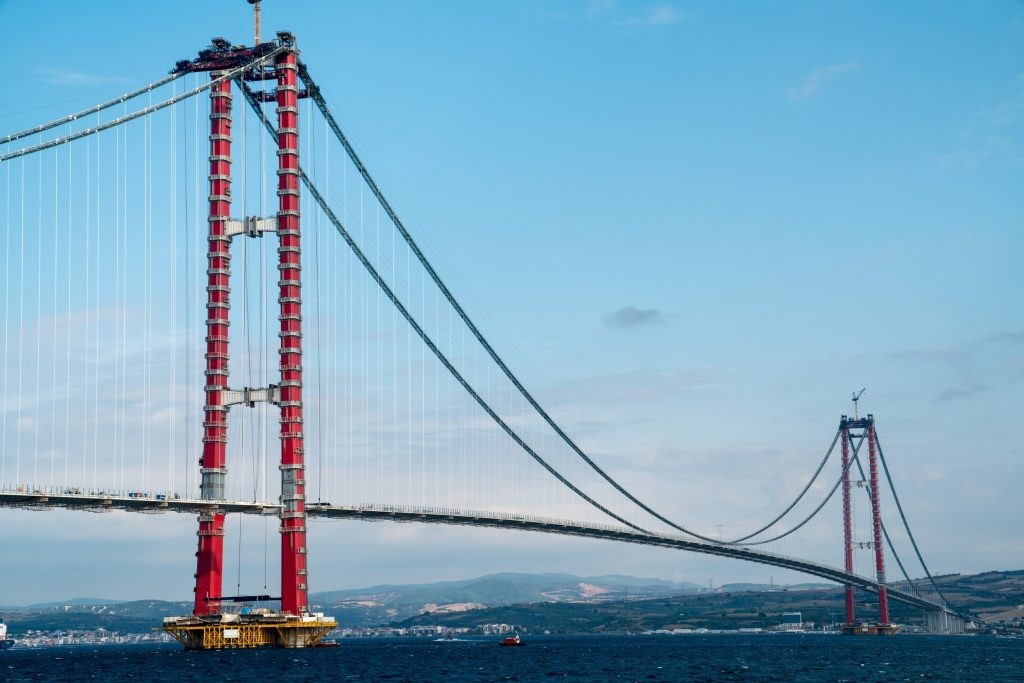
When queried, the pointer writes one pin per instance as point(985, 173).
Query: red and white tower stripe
point(294, 580)
point(210, 555)
point(876, 523)
point(288, 395)
point(847, 521)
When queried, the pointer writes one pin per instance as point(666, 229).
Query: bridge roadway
point(75, 499)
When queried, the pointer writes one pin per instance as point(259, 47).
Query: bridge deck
point(146, 503)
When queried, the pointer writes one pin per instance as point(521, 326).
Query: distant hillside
point(360, 607)
point(768, 587)
point(126, 617)
point(76, 602)
point(381, 604)
point(992, 595)
point(557, 602)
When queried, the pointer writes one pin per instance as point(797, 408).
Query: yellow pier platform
point(233, 631)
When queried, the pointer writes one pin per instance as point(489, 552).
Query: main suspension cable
point(885, 531)
point(91, 110)
point(314, 92)
point(811, 516)
point(903, 517)
point(142, 112)
point(798, 498)
point(386, 289)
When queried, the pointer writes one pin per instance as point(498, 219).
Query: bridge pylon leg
point(294, 580)
point(866, 425)
point(210, 555)
point(851, 604)
point(217, 622)
point(876, 523)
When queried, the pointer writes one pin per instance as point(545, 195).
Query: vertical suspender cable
point(148, 294)
point(319, 313)
point(450, 398)
point(380, 369)
point(96, 335)
point(248, 380)
point(124, 298)
point(172, 427)
point(244, 416)
point(899, 508)
point(115, 343)
point(39, 316)
point(201, 263)
point(423, 396)
point(186, 190)
point(264, 346)
point(364, 357)
point(334, 336)
point(408, 369)
point(350, 373)
point(7, 301)
point(437, 393)
point(89, 307)
point(67, 345)
point(21, 321)
point(53, 332)
point(395, 388)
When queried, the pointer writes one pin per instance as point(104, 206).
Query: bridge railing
point(89, 498)
point(89, 492)
point(455, 514)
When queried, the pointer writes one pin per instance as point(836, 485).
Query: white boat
point(5, 642)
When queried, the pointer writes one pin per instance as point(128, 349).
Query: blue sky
point(694, 227)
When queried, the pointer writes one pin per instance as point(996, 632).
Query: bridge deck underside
point(103, 503)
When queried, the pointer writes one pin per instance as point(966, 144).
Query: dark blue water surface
point(582, 658)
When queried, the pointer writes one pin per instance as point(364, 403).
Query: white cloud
point(59, 76)
point(610, 11)
point(815, 80)
point(641, 385)
point(990, 135)
point(597, 9)
point(655, 15)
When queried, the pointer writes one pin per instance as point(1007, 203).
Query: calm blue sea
point(582, 658)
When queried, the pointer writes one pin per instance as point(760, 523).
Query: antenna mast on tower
point(256, 11)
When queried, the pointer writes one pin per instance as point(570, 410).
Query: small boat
point(512, 641)
point(5, 642)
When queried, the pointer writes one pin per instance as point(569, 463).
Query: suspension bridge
point(125, 388)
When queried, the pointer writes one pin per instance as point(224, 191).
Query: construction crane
point(856, 397)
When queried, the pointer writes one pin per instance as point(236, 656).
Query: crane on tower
point(856, 397)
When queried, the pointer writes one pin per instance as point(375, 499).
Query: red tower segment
point(876, 522)
point(293, 486)
point(847, 520)
point(210, 556)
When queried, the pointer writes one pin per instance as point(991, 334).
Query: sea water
point(765, 657)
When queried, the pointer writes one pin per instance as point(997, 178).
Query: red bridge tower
point(863, 429)
point(212, 625)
